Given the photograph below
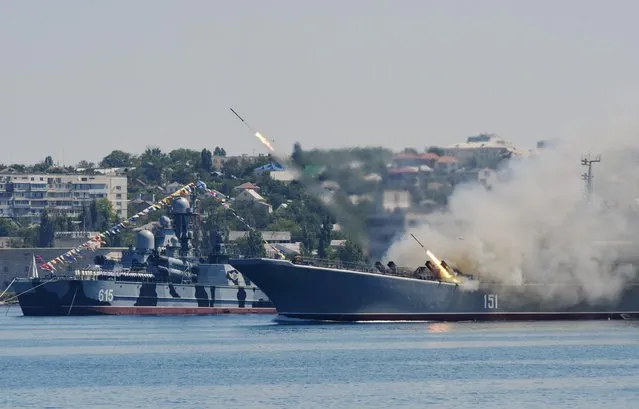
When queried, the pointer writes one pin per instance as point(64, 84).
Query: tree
point(325, 236)
point(437, 151)
point(350, 252)
point(219, 151)
point(29, 236)
point(206, 160)
point(232, 167)
point(186, 157)
point(252, 245)
point(42, 166)
point(16, 243)
point(410, 150)
point(122, 239)
point(62, 222)
point(83, 164)
point(105, 214)
point(46, 231)
point(154, 165)
point(117, 159)
point(7, 227)
point(18, 168)
point(100, 215)
point(308, 240)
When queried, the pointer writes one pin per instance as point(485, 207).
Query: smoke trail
point(536, 225)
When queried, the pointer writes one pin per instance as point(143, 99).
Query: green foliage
point(324, 240)
point(62, 223)
point(29, 236)
point(7, 227)
point(188, 157)
point(46, 231)
point(83, 164)
point(308, 239)
point(20, 168)
point(154, 166)
point(99, 215)
point(206, 160)
point(124, 238)
point(294, 208)
point(350, 252)
point(437, 151)
point(118, 159)
point(255, 216)
point(43, 166)
point(252, 245)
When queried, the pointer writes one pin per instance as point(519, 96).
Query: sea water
point(234, 361)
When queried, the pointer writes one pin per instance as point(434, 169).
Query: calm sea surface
point(251, 362)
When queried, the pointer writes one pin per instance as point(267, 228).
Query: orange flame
point(264, 141)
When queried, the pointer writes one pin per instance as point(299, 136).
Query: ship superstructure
point(162, 274)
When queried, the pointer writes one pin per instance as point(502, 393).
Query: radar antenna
point(587, 176)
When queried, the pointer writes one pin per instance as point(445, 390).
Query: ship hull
point(62, 297)
point(328, 294)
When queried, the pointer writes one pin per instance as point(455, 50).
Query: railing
point(312, 261)
point(74, 234)
point(338, 264)
point(420, 273)
point(111, 275)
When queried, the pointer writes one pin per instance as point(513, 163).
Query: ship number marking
point(105, 295)
point(490, 301)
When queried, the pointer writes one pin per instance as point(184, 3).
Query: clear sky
point(81, 78)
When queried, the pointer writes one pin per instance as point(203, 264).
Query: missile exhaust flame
point(443, 271)
point(264, 141)
point(258, 135)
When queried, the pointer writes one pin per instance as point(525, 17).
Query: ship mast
point(587, 176)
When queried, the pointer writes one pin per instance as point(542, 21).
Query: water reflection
point(437, 327)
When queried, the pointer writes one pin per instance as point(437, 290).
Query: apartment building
point(26, 195)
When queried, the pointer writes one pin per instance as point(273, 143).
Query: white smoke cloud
point(536, 226)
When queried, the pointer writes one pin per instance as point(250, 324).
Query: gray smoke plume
point(536, 225)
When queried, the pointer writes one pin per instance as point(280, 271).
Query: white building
point(481, 151)
point(258, 201)
point(26, 195)
point(172, 188)
point(446, 164)
point(268, 236)
point(396, 199)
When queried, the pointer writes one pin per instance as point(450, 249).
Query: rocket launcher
point(444, 273)
point(442, 270)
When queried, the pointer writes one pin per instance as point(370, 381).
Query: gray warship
point(321, 290)
point(327, 291)
point(163, 274)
